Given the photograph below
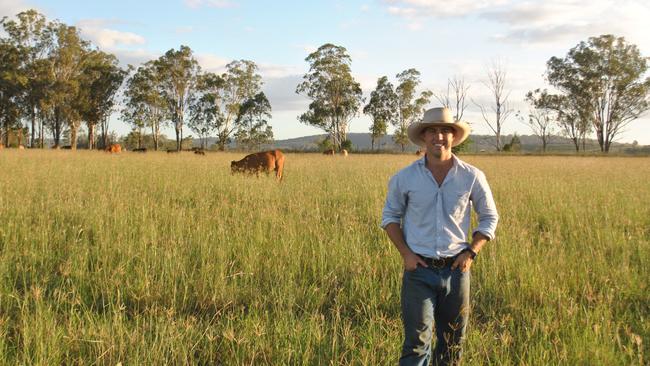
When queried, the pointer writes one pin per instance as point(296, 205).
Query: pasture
point(152, 259)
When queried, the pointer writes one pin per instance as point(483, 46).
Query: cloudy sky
point(441, 39)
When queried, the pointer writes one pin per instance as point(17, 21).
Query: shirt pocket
point(457, 203)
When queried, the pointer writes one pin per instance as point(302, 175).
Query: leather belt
point(438, 262)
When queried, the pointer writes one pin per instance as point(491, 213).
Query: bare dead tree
point(456, 93)
point(496, 83)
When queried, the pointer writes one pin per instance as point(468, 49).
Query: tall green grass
point(158, 259)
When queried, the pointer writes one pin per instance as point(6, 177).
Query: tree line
point(55, 81)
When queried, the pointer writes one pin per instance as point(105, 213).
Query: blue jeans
point(429, 294)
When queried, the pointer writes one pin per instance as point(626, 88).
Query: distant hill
point(480, 143)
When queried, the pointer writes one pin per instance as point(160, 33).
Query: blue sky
point(384, 37)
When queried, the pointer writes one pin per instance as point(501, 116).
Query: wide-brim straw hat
point(438, 117)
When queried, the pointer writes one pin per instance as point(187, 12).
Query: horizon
point(382, 37)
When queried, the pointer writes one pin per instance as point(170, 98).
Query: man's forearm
point(478, 240)
point(396, 236)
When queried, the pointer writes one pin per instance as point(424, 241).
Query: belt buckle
point(438, 262)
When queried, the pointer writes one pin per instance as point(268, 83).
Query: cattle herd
point(256, 163)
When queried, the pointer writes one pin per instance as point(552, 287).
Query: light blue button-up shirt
point(435, 219)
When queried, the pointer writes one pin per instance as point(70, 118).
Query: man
point(427, 217)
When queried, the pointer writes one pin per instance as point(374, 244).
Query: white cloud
point(134, 57)
point(96, 30)
point(538, 21)
point(440, 8)
point(212, 63)
point(10, 8)
point(221, 4)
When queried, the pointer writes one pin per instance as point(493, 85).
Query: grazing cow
point(419, 153)
point(265, 161)
point(114, 148)
point(344, 152)
point(67, 147)
point(199, 152)
point(140, 150)
point(329, 152)
point(171, 151)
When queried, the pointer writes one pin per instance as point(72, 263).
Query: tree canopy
point(336, 96)
point(604, 83)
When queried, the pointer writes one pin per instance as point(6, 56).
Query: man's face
point(438, 140)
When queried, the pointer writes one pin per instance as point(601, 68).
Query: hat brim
point(461, 133)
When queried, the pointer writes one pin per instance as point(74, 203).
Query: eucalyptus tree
point(605, 79)
point(410, 105)
point(144, 104)
point(205, 113)
point(33, 35)
point(335, 96)
point(253, 127)
point(241, 82)
point(12, 83)
point(100, 80)
point(177, 71)
point(383, 109)
point(67, 61)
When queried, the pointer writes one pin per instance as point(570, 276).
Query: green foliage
point(177, 72)
point(252, 121)
point(221, 101)
point(514, 145)
point(100, 81)
point(383, 109)
point(605, 84)
point(336, 96)
point(347, 145)
point(144, 104)
point(325, 144)
point(411, 106)
point(463, 147)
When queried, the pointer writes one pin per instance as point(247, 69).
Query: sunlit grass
point(159, 259)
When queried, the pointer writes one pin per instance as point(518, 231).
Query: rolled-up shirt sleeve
point(485, 207)
point(395, 203)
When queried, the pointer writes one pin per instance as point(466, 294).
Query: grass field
point(155, 259)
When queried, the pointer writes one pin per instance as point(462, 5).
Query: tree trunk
point(6, 132)
point(41, 136)
point(33, 116)
point(154, 135)
point(73, 136)
point(91, 136)
point(57, 130)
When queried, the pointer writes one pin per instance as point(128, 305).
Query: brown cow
point(344, 152)
point(2, 146)
point(329, 152)
point(262, 161)
point(21, 147)
point(199, 152)
point(419, 153)
point(114, 148)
